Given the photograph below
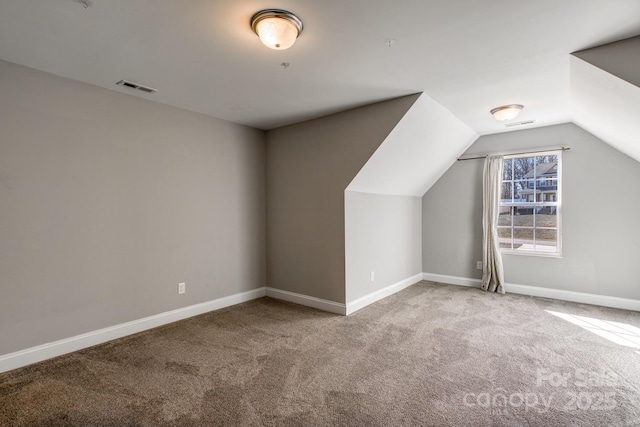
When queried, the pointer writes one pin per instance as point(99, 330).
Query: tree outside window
point(529, 220)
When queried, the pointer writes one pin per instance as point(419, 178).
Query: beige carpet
point(429, 355)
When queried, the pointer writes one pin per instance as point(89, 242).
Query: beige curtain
point(492, 271)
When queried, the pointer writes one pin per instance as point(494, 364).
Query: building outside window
point(530, 206)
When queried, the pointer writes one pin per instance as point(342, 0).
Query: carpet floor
point(430, 355)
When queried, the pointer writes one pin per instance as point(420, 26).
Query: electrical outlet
point(479, 265)
point(182, 288)
point(373, 276)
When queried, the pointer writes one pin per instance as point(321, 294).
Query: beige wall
point(108, 201)
point(600, 227)
point(309, 165)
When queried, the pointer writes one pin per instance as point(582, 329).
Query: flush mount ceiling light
point(506, 112)
point(277, 29)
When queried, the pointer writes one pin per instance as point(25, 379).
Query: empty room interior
point(319, 212)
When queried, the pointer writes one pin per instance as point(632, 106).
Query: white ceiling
point(468, 55)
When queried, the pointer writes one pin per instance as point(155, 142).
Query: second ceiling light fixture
point(506, 112)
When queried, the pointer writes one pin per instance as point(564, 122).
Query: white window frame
point(557, 204)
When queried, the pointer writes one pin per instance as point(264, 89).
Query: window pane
point(523, 167)
point(505, 237)
point(545, 217)
point(507, 172)
point(504, 218)
point(523, 216)
point(546, 237)
point(520, 190)
point(507, 192)
point(549, 196)
point(546, 159)
point(546, 166)
point(523, 239)
point(548, 184)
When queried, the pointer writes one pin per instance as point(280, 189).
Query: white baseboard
point(584, 298)
point(452, 280)
point(57, 348)
point(364, 301)
point(535, 291)
point(320, 304)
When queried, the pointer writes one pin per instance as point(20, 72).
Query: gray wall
point(384, 235)
point(108, 201)
point(619, 58)
point(600, 226)
point(309, 165)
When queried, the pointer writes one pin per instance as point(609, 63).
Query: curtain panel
point(492, 270)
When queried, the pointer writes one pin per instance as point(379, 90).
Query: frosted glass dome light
point(507, 112)
point(277, 29)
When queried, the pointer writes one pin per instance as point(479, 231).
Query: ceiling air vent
point(514, 124)
point(136, 86)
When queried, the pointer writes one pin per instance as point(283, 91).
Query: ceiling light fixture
point(506, 112)
point(277, 29)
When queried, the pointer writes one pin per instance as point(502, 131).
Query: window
point(529, 220)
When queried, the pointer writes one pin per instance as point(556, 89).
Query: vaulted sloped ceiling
point(605, 94)
point(605, 101)
point(622, 59)
point(421, 147)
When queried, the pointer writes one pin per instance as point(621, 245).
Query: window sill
point(530, 253)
